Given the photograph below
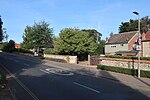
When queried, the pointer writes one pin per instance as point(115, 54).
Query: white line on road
point(26, 64)
point(21, 84)
point(44, 71)
point(86, 87)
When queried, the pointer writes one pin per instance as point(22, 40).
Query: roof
point(147, 35)
point(121, 37)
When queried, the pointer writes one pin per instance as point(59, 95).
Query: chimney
point(106, 39)
point(143, 36)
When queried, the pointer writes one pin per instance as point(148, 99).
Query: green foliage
point(124, 70)
point(94, 33)
point(37, 36)
point(132, 25)
point(100, 47)
point(49, 51)
point(2, 79)
point(22, 50)
point(1, 30)
point(74, 42)
point(127, 57)
point(9, 47)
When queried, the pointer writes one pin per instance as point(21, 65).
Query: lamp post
point(136, 13)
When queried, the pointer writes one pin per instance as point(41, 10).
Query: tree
point(1, 30)
point(111, 34)
point(94, 33)
point(75, 42)
point(37, 36)
point(132, 25)
point(10, 46)
point(100, 49)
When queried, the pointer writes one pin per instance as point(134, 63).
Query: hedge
point(127, 57)
point(143, 73)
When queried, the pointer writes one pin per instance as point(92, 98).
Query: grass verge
point(2, 80)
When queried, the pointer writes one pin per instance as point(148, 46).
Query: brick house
point(121, 44)
point(17, 45)
point(146, 44)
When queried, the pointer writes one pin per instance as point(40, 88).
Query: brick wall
point(124, 63)
point(94, 60)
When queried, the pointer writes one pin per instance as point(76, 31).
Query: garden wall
point(67, 58)
point(124, 63)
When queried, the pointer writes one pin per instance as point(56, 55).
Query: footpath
point(140, 84)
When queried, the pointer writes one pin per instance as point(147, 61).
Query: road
point(31, 79)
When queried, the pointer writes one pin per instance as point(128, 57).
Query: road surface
point(31, 79)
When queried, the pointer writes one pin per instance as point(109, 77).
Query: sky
point(103, 15)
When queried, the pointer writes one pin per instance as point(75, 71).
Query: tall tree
point(75, 42)
point(37, 36)
point(94, 33)
point(132, 25)
point(111, 34)
point(1, 30)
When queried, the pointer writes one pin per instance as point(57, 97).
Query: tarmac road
point(31, 79)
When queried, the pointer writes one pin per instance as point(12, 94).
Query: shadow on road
point(56, 87)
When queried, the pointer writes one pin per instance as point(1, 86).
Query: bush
point(49, 51)
point(21, 50)
point(127, 57)
point(124, 70)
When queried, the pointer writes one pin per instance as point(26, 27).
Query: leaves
point(37, 36)
point(132, 25)
point(74, 42)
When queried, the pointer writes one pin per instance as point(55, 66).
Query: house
point(146, 44)
point(121, 44)
point(17, 45)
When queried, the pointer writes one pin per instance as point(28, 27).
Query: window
point(122, 44)
point(113, 46)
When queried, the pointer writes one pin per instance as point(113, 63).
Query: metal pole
point(138, 43)
point(139, 46)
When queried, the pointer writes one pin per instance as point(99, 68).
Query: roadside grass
point(133, 72)
point(2, 80)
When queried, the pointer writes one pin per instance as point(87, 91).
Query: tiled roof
point(147, 35)
point(121, 37)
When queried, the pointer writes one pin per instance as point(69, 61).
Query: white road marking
point(21, 84)
point(44, 71)
point(86, 87)
point(26, 64)
point(59, 71)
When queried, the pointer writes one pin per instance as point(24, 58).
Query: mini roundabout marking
point(59, 71)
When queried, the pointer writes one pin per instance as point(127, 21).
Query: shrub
point(49, 51)
point(124, 70)
point(127, 57)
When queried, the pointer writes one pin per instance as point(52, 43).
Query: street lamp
point(136, 13)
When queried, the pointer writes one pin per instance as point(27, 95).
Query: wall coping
point(124, 60)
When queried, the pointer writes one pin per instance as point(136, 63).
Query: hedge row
point(125, 70)
point(127, 57)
